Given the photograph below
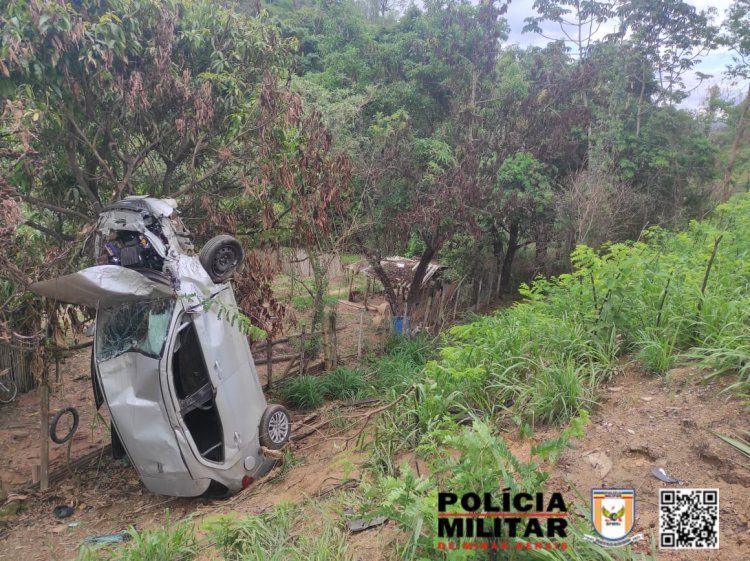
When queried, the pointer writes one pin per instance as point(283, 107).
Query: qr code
point(689, 518)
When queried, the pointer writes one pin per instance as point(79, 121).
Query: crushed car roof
point(110, 282)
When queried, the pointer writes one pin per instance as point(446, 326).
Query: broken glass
point(133, 327)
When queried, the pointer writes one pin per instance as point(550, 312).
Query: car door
point(239, 396)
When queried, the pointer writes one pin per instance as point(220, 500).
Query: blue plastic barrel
point(401, 325)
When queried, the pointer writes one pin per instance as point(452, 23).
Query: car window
point(133, 327)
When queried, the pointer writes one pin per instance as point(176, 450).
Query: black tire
point(221, 257)
point(118, 450)
point(275, 427)
point(98, 394)
point(56, 419)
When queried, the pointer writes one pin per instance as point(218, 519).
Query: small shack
point(400, 272)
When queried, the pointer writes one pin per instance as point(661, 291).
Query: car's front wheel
point(221, 257)
point(275, 427)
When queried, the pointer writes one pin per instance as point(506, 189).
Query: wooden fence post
point(302, 352)
point(359, 336)
point(334, 341)
point(269, 363)
point(44, 428)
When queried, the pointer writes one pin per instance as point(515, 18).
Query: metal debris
point(662, 475)
point(361, 524)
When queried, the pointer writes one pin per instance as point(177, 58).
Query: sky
point(714, 63)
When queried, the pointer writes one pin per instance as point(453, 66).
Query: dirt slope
point(645, 422)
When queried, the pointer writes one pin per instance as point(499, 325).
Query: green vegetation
point(281, 535)
point(304, 392)
point(379, 129)
point(543, 359)
point(174, 540)
point(389, 374)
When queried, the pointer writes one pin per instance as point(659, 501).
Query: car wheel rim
point(226, 258)
point(278, 427)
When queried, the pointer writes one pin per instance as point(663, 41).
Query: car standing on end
point(175, 371)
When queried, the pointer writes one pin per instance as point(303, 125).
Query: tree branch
point(34, 201)
point(45, 230)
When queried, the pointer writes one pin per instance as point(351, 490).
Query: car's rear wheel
point(275, 427)
point(221, 257)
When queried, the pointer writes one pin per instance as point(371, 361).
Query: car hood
point(103, 284)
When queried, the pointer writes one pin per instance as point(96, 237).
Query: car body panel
point(109, 283)
point(132, 389)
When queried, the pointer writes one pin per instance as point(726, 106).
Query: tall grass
point(656, 299)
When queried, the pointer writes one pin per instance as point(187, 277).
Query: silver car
point(173, 367)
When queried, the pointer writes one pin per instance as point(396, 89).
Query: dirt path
point(645, 422)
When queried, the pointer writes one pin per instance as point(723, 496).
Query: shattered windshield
point(133, 327)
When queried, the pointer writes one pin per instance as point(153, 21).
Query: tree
point(737, 37)
point(579, 21)
point(522, 185)
point(672, 36)
point(133, 97)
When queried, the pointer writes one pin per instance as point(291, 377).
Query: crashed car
point(175, 371)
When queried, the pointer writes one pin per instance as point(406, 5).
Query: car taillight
point(247, 481)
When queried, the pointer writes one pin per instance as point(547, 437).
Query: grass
point(304, 302)
point(389, 374)
point(303, 392)
point(287, 533)
point(309, 392)
point(345, 384)
point(171, 542)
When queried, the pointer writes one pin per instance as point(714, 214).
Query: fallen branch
point(369, 415)
point(366, 416)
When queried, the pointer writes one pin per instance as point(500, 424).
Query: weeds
point(288, 533)
point(171, 542)
point(345, 384)
point(303, 392)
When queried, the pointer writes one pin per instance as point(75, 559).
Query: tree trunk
point(374, 261)
point(540, 252)
point(508, 259)
point(390, 294)
point(735, 147)
point(639, 109)
point(320, 288)
point(415, 290)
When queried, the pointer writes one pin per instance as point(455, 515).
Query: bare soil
point(645, 422)
point(19, 423)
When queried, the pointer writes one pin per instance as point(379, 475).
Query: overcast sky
point(713, 64)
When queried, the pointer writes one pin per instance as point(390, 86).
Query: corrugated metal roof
point(400, 270)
